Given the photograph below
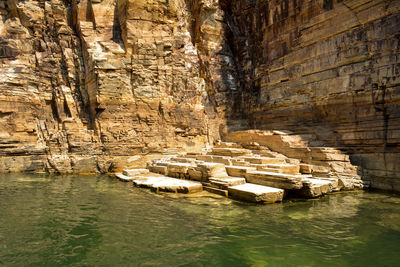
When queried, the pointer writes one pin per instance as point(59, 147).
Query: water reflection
point(86, 221)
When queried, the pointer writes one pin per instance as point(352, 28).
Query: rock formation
point(93, 85)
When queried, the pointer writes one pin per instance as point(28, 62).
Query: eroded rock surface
point(330, 68)
point(96, 86)
point(86, 84)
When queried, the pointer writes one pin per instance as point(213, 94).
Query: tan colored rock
point(256, 193)
point(305, 168)
point(135, 172)
point(210, 169)
point(278, 180)
point(166, 184)
point(225, 182)
point(313, 188)
point(238, 171)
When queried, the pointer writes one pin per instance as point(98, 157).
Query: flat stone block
point(135, 172)
point(264, 160)
point(305, 168)
point(232, 152)
point(167, 184)
point(195, 174)
point(314, 188)
point(178, 170)
point(217, 191)
point(256, 193)
point(225, 182)
point(238, 171)
point(183, 160)
point(286, 168)
point(278, 180)
point(158, 169)
point(123, 177)
point(210, 169)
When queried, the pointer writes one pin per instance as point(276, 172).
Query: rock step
point(215, 159)
point(227, 145)
point(183, 160)
point(217, 191)
point(158, 169)
point(264, 160)
point(134, 172)
point(123, 177)
point(238, 171)
point(225, 182)
point(256, 193)
point(285, 168)
point(278, 180)
point(178, 170)
point(313, 188)
point(305, 168)
point(232, 152)
point(167, 184)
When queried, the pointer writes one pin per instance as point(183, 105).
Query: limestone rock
point(256, 193)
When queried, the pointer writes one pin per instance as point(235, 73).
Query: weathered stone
point(232, 152)
point(278, 180)
point(167, 184)
point(135, 172)
point(256, 193)
point(124, 177)
point(238, 171)
point(264, 160)
point(217, 191)
point(178, 170)
point(210, 169)
point(225, 182)
point(286, 168)
point(87, 85)
point(314, 188)
point(305, 168)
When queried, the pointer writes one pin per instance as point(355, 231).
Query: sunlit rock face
point(325, 67)
point(86, 85)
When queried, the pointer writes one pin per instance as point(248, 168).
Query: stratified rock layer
point(330, 68)
point(96, 85)
point(87, 85)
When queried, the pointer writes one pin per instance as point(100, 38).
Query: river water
point(99, 221)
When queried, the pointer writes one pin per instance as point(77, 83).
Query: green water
point(99, 221)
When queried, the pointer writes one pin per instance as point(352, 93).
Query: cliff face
point(330, 68)
point(87, 84)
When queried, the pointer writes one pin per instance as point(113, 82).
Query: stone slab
point(167, 184)
point(134, 172)
point(123, 177)
point(225, 182)
point(210, 169)
point(264, 160)
point(256, 193)
point(278, 180)
point(313, 188)
point(286, 168)
point(305, 168)
point(238, 171)
point(217, 191)
point(232, 152)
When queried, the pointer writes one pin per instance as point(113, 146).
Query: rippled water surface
point(99, 221)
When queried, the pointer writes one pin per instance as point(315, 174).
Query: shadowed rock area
point(97, 86)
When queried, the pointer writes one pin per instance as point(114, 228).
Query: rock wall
point(330, 68)
point(88, 84)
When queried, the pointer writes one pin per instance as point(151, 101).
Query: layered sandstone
point(96, 85)
point(330, 68)
point(88, 84)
